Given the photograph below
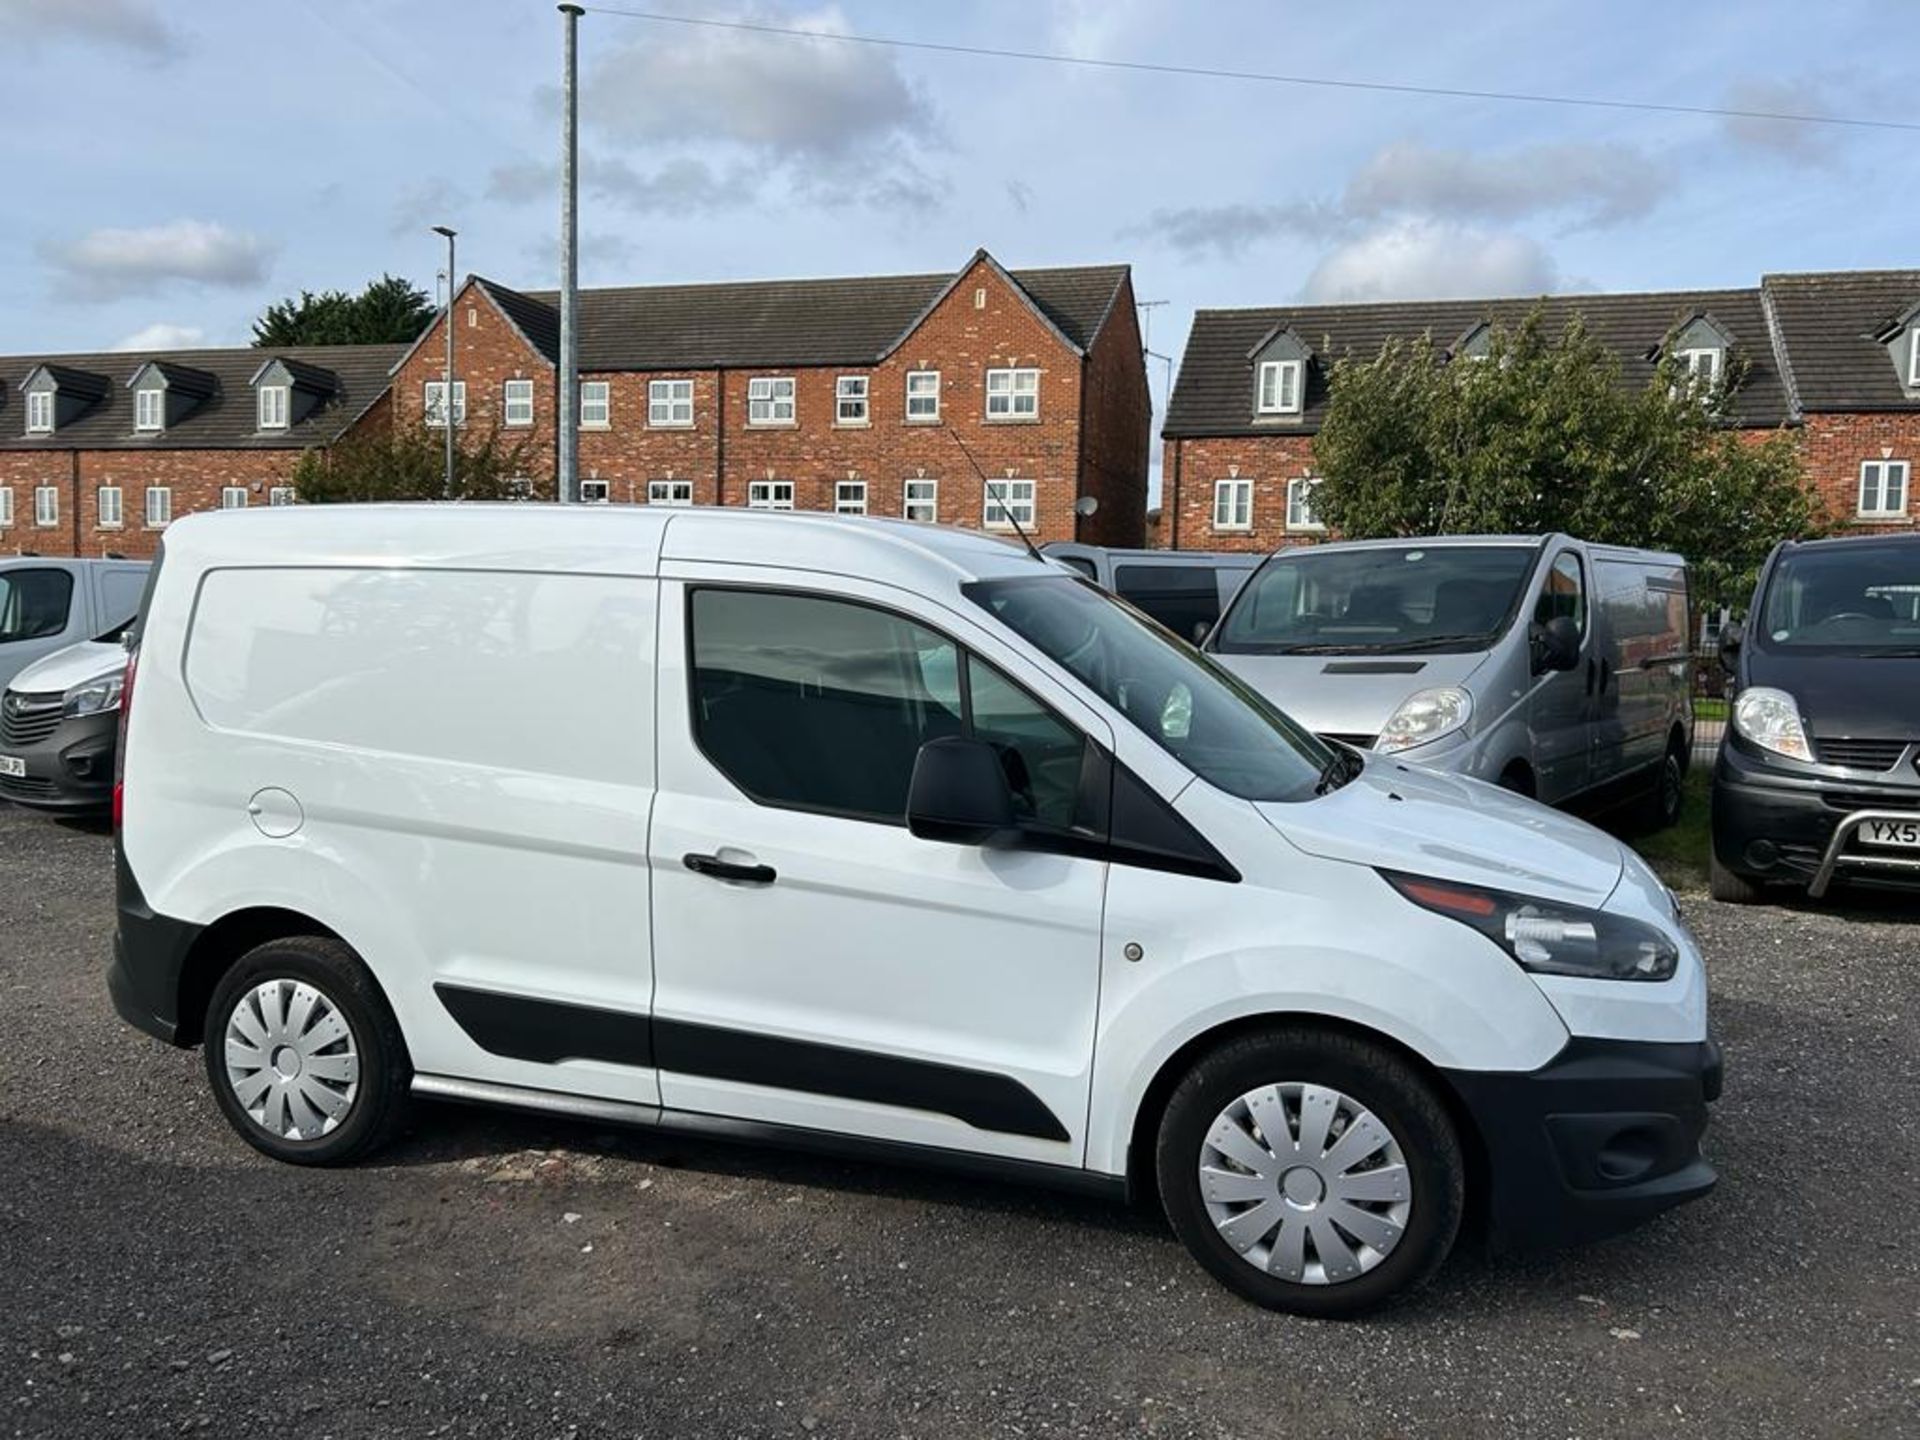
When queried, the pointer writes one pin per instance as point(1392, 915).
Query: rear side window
point(34, 603)
point(1180, 597)
point(818, 704)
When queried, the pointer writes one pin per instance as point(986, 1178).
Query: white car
point(882, 838)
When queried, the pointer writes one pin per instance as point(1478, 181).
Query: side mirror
point(1730, 637)
point(959, 793)
point(1555, 645)
point(1201, 629)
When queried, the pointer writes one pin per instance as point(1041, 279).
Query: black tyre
point(303, 1053)
point(1726, 886)
point(1668, 795)
point(1356, 1203)
point(1518, 779)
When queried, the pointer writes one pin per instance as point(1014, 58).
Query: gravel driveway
point(505, 1277)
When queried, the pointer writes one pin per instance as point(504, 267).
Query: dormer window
point(149, 409)
point(40, 412)
point(273, 407)
point(1702, 368)
point(1913, 358)
point(1280, 387)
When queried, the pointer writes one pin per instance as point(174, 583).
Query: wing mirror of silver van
point(959, 793)
point(1730, 637)
point(1555, 645)
point(1201, 629)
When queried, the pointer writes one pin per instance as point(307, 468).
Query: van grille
point(26, 787)
point(28, 719)
point(1850, 800)
point(1860, 754)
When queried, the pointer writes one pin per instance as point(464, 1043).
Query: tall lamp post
point(569, 377)
point(446, 393)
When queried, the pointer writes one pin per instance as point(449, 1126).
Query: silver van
point(1548, 665)
point(49, 603)
point(1185, 590)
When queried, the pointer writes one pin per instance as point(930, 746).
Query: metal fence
point(1710, 689)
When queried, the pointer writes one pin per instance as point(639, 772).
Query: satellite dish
point(1086, 505)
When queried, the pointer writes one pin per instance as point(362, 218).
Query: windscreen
point(1187, 705)
point(1856, 597)
point(1377, 600)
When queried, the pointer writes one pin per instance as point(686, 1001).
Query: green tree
point(1542, 434)
point(389, 311)
point(409, 463)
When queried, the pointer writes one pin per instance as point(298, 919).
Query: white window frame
point(46, 506)
point(39, 412)
point(918, 494)
point(271, 407)
point(926, 415)
point(670, 492)
point(767, 495)
point(6, 506)
point(516, 403)
point(149, 409)
point(282, 495)
point(100, 507)
point(158, 507)
point(766, 397)
point(1913, 357)
point(1884, 470)
point(1286, 395)
point(1701, 367)
point(433, 403)
point(1013, 394)
point(849, 497)
point(670, 404)
point(1300, 504)
point(227, 502)
point(1234, 498)
point(596, 404)
point(850, 394)
point(1005, 498)
point(596, 492)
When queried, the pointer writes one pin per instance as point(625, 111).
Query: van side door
point(1640, 664)
point(817, 964)
point(1560, 707)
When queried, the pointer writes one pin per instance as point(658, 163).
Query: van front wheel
point(1311, 1171)
point(303, 1053)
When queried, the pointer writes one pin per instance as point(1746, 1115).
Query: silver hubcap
point(1305, 1183)
point(291, 1060)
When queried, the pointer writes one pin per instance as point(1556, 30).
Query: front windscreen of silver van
point(1377, 600)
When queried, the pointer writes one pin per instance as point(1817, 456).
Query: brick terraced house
point(98, 453)
point(1832, 357)
point(840, 395)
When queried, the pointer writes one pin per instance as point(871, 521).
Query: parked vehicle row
point(881, 838)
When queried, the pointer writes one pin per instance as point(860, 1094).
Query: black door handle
point(1589, 675)
point(726, 870)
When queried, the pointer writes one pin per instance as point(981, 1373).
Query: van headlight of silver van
point(1546, 937)
point(1770, 719)
point(1425, 715)
point(94, 696)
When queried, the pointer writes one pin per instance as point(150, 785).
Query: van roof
point(618, 539)
point(1434, 542)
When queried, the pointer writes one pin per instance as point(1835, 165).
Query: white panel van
point(879, 838)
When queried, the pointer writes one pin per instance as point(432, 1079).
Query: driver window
point(1039, 751)
point(1565, 593)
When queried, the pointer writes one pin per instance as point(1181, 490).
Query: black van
point(1819, 772)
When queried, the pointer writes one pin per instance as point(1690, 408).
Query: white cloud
point(119, 24)
point(1599, 184)
point(108, 263)
point(1228, 231)
point(162, 336)
point(1782, 139)
point(1430, 260)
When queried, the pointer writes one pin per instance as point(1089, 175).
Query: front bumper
point(69, 769)
point(1602, 1137)
point(1775, 824)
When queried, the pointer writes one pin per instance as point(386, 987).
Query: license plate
point(13, 765)
point(1905, 833)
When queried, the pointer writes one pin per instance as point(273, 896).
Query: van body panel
point(99, 595)
point(1348, 695)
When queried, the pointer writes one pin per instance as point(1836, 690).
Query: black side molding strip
point(518, 1027)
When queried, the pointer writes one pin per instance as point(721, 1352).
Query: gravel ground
point(505, 1277)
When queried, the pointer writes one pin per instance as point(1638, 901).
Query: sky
point(179, 164)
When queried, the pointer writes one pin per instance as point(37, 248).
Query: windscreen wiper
point(1430, 642)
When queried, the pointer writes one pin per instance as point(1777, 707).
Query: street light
point(446, 393)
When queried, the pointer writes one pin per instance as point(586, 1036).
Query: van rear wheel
point(304, 1056)
point(1311, 1171)
point(1727, 887)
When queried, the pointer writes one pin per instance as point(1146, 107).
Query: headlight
point(1770, 719)
point(94, 696)
point(1425, 715)
point(1547, 938)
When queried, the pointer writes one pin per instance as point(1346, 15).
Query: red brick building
point(863, 395)
point(99, 453)
point(1833, 358)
